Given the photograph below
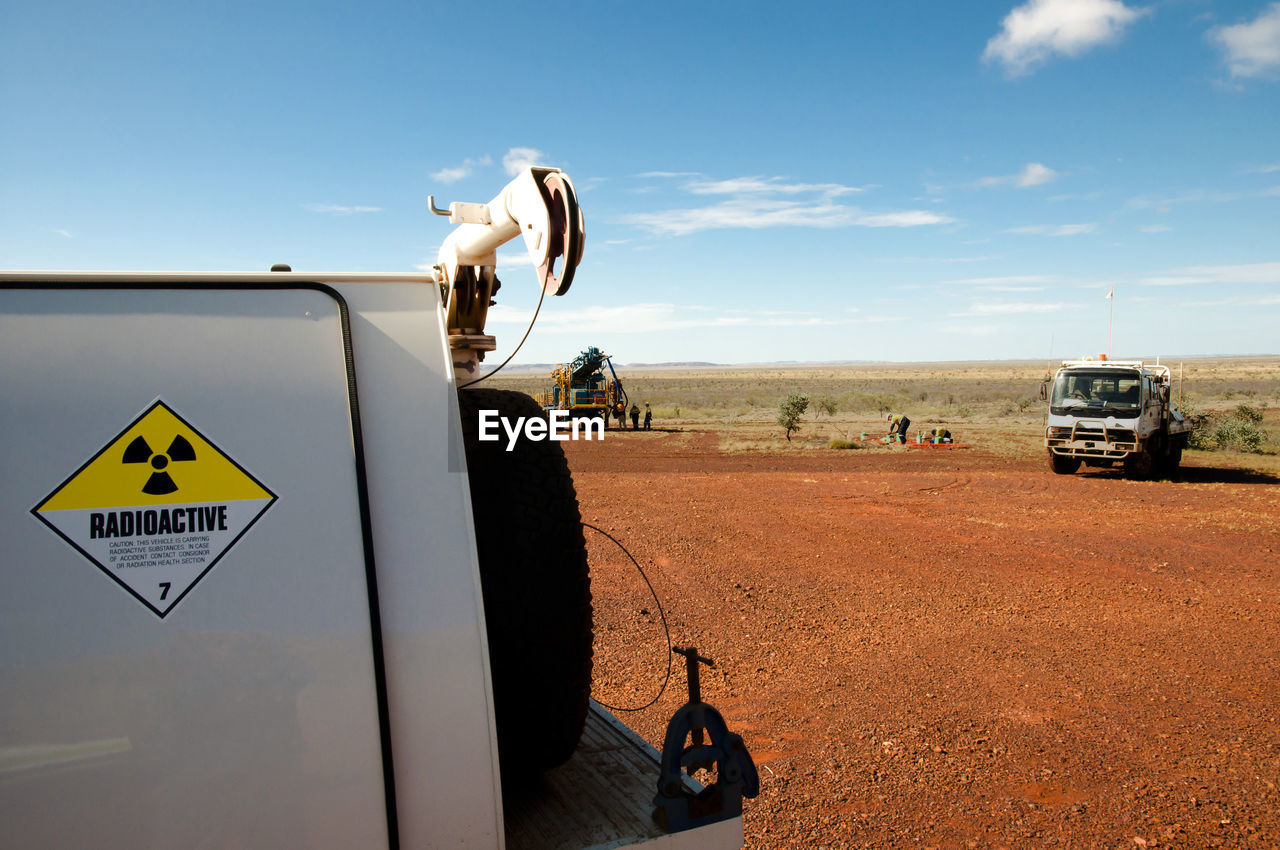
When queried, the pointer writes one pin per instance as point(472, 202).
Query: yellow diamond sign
point(156, 507)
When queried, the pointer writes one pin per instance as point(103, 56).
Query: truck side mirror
point(1044, 391)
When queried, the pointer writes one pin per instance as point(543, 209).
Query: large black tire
point(1063, 464)
point(537, 591)
point(1167, 463)
point(1141, 465)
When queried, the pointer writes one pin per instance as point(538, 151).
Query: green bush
point(1202, 437)
point(839, 443)
point(1245, 413)
point(1241, 435)
point(1240, 430)
point(790, 411)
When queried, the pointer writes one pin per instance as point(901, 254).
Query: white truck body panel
point(122, 727)
point(278, 701)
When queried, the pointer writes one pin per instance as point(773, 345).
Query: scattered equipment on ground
point(582, 388)
point(1104, 412)
point(252, 550)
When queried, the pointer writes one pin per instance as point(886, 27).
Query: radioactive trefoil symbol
point(161, 482)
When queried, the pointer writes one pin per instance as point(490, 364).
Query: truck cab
point(1104, 412)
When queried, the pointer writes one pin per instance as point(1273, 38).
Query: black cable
point(513, 354)
point(661, 614)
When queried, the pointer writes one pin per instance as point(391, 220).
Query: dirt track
point(954, 649)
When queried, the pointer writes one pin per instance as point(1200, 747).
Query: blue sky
point(890, 181)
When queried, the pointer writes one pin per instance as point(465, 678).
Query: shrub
point(1240, 430)
point(1245, 413)
point(839, 443)
point(1202, 436)
point(1241, 435)
point(790, 411)
point(825, 404)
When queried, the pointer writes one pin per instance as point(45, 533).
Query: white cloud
point(1238, 301)
point(654, 317)
point(668, 174)
point(1008, 309)
point(1264, 273)
point(516, 160)
point(1078, 196)
point(880, 320)
point(1154, 228)
point(339, 209)
point(751, 213)
point(1270, 168)
point(974, 330)
point(1252, 49)
point(1055, 230)
point(765, 185)
point(1196, 196)
point(934, 259)
point(756, 202)
point(458, 172)
point(1005, 280)
point(1032, 174)
point(66, 234)
point(1033, 32)
point(1188, 196)
point(906, 218)
point(1036, 174)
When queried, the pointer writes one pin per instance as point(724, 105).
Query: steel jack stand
point(676, 806)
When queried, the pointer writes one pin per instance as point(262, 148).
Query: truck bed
point(602, 797)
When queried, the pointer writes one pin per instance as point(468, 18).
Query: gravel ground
point(953, 649)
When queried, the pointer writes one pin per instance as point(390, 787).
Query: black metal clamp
point(676, 806)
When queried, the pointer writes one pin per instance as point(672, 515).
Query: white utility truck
point(261, 586)
point(1104, 412)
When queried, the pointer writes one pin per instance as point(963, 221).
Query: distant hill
point(545, 368)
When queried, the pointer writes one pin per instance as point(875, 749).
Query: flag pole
point(1111, 298)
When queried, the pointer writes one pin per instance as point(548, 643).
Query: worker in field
point(648, 417)
point(620, 413)
point(940, 435)
point(898, 424)
point(635, 417)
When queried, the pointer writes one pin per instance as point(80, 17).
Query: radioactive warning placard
point(156, 507)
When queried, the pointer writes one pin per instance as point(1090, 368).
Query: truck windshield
point(1110, 392)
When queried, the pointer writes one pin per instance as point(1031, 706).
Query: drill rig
point(581, 387)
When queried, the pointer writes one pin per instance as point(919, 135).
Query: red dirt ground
point(953, 649)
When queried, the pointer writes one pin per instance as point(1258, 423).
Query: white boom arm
point(540, 205)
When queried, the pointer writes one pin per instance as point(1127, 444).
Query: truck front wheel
point(1141, 464)
point(537, 591)
point(1063, 464)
